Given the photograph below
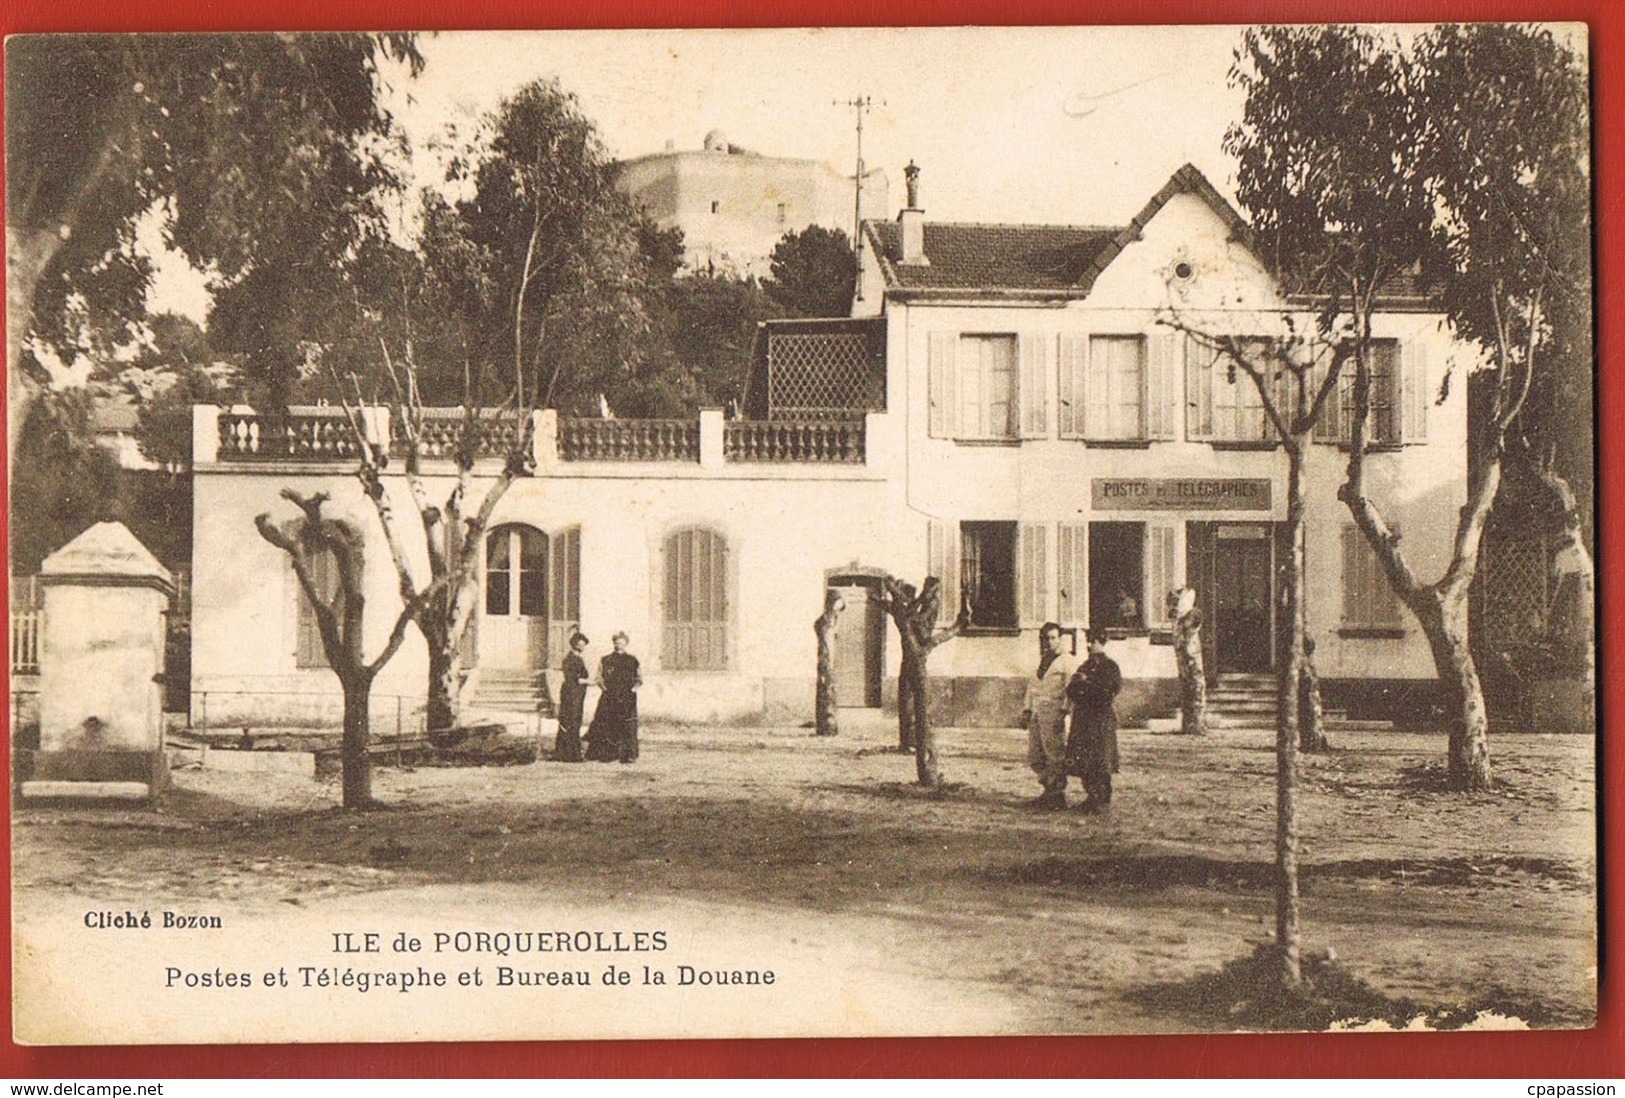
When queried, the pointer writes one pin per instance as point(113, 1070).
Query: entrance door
point(860, 638)
point(1243, 628)
point(513, 635)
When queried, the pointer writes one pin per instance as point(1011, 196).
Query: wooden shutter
point(1031, 387)
point(563, 590)
point(1097, 390)
point(1033, 578)
point(1161, 385)
point(1159, 573)
point(942, 421)
point(1352, 612)
point(324, 574)
point(1073, 392)
point(1072, 573)
point(1198, 391)
point(1339, 408)
point(1413, 359)
point(942, 561)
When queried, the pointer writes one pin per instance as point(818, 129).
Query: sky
point(1073, 125)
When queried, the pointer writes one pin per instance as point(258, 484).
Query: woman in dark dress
point(572, 700)
point(614, 731)
point(1091, 752)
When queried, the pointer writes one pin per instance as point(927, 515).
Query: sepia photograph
point(907, 532)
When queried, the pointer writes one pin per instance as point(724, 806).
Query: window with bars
point(987, 565)
point(695, 601)
point(309, 651)
point(1369, 601)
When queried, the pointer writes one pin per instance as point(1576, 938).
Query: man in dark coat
point(1091, 751)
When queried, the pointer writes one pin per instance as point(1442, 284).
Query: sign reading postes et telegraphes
point(1180, 494)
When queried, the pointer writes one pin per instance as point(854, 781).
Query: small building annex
point(1013, 414)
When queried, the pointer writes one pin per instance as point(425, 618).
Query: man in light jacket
point(1045, 717)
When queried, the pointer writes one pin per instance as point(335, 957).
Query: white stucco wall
point(785, 529)
point(1420, 487)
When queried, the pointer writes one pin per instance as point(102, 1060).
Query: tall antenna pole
point(860, 105)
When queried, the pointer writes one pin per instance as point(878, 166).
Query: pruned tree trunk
point(355, 762)
point(445, 687)
point(915, 615)
point(907, 696)
point(1187, 619)
point(1445, 625)
point(339, 619)
point(1287, 937)
point(825, 719)
point(1311, 712)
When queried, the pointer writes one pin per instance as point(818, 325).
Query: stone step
point(86, 791)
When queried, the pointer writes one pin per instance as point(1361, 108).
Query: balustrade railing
point(250, 436)
point(831, 441)
point(629, 440)
point(441, 429)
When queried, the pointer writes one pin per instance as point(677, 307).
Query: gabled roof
point(1051, 262)
point(1030, 260)
point(991, 257)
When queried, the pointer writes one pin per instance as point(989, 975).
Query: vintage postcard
point(801, 533)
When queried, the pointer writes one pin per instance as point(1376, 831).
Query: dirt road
point(883, 910)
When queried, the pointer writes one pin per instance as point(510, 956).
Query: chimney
point(911, 220)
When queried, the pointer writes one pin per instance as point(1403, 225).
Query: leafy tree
point(254, 149)
point(1339, 167)
point(62, 482)
point(1506, 145)
point(813, 273)
point(173, 371)
point(706, 328)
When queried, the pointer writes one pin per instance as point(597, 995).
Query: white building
point(1015, 418)
point(734, 205)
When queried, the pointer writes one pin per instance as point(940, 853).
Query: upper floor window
point(1223, 402)
point(1399, 397)
point(986, 386)
point(1117, 388)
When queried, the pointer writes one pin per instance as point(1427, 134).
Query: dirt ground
point(1024, 921)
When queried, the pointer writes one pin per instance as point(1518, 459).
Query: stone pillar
point(544, 440)
point(101, 664)
point(205, 434)
point(712, 430)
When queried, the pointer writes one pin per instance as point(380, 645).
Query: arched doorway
point(513, 627)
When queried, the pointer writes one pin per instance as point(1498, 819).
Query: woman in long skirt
point(614, 731)
point(572, 700)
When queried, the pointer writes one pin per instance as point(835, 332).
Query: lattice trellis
point(1515, 586)
point(822, 374)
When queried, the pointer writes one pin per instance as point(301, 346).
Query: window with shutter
point(1386, 419)
point(1162, 381)
point(988, 573)
point(1160, 574)
point(564, 589)
point(1072, 385)
point(1032, 389)
point(695, 635)
point(1369, 601)
point(1116, 388)
point(1034, 574)
point(986, 370)
point(1117, 575)
point(1072, 573)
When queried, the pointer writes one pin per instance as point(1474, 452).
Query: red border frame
point(1572, 1055)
